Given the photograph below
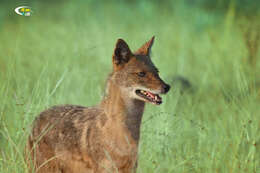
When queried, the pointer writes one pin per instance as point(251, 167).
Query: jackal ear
point(122, 53)
point(145, 49)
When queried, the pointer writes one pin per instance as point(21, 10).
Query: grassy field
point(62, 54)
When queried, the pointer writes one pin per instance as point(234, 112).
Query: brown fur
point(104, 138)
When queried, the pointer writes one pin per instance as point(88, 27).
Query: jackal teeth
point(149, 96)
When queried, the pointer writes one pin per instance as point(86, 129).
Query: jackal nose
point(166, 88)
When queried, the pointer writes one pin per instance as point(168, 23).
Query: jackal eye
point(141, 74)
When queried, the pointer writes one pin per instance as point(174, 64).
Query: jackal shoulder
point(64, 125)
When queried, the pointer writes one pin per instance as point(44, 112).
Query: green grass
point(62, 54)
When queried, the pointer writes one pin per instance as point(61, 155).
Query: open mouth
point(150, 97)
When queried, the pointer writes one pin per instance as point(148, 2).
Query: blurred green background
point(207, 50)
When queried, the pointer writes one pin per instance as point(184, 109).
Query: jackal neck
point(123, 109)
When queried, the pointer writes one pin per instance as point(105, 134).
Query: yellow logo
point(23, 11)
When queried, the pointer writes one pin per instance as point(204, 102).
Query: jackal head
point(136, 75)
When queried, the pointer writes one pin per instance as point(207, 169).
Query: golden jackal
point(103, 138)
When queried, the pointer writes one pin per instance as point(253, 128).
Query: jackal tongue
point(151, 94)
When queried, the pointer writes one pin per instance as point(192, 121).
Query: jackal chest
point(120, 141)
point(121, 152)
